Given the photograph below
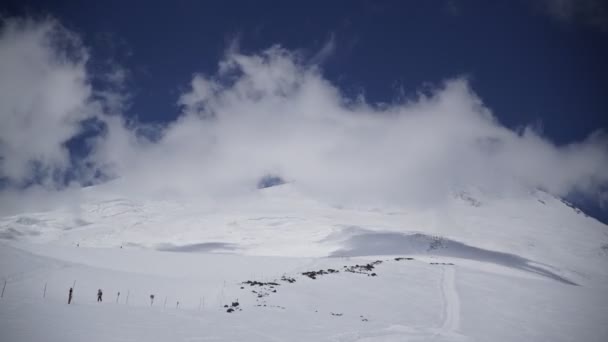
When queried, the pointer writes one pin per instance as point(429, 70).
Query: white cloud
point(44, 95)
point(275, 113)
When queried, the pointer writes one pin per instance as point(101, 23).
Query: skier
point(99, 294)
point(70, 296)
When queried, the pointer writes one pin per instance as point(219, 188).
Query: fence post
point(3, 287)
point(73, 288)
point(165, 305)
point(44, 293)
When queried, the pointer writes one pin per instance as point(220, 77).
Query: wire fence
point(71, 295)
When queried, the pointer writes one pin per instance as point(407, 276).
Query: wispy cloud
point(325, 52)
point(593, 13)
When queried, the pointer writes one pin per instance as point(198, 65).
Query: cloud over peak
point(274, 113)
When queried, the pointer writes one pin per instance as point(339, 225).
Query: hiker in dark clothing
point(99, 294)
point(70, 296)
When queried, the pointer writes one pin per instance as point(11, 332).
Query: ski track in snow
point(451, 301)
point(449, 329)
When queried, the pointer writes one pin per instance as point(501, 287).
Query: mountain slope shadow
point(388, 243)
point(197, 247)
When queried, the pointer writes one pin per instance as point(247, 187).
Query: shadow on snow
point(366, 243)
point(204, 247)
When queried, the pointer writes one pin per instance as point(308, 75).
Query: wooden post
point(165, 305)
point(73, 289)
point(44, 293)
point(222, 294)
point(3, 287)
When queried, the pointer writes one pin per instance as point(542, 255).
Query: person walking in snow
point(70, 296)
point(99, 294)
point(151, 299)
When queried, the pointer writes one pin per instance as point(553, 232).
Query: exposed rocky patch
point(573, 207)
point(270, 306)
point(233, 307)
point(363, 269)
point(466, 197)
point(403, 258)
point(288, 279)
point(436, 243)
point(315, 274)
point(259, 283)
point(262, 290)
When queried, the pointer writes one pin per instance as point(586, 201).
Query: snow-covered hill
point(475, 267)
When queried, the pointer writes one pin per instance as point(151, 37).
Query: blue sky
point(526, 64)
point(531, 63)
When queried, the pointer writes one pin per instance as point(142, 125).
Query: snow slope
point(483, 268)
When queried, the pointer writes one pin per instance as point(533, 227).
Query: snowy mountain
point(290, 268)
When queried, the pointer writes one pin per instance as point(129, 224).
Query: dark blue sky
point(527, 65)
